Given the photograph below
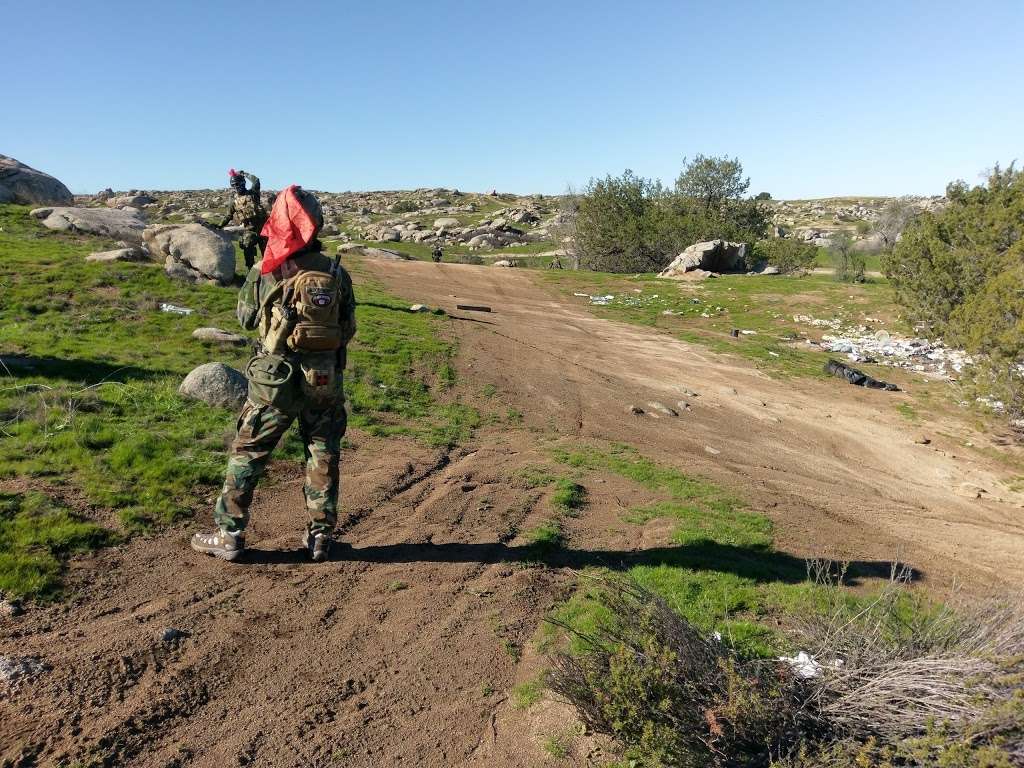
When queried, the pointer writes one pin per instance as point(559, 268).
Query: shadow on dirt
point(757, 564)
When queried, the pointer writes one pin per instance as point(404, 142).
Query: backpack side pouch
point(273, 382)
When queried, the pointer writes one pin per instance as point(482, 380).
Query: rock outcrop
point(24, 185)
point(710, 256)
point(192, 252)
point(215, 384)
point(118, 224)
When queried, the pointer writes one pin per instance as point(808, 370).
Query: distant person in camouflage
point(302, 305)
point(247, 209)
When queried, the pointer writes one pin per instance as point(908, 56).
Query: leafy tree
point(631, 224)
point(712, 180)
point(620, 224)
point(960, 271)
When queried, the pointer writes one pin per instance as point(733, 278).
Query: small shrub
point(787, 255)
point(405, 206)
point(849, 264)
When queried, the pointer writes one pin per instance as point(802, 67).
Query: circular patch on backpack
point(322, 299)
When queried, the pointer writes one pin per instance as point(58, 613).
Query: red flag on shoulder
point(288, 230)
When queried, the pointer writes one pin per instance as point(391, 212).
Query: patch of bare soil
point(404, 648)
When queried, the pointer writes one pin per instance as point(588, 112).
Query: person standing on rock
point(302, 305)
point(247, 209)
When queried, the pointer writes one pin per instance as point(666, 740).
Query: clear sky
point(815, 98)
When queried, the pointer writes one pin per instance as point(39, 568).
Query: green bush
point(405, 206)
point(959, 272)
point(787, 255)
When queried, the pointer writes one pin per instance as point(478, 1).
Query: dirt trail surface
point(402, 650)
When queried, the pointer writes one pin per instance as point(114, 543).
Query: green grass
point(525, 695)
point(720, 570)
point(545, 537)
point(569, 496)
point(36, 534)
point(89, 395)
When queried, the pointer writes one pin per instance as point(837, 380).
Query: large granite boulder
point(710, 256)
point(26, 186)
point(216, 384)
point(192, 252)
point(117, 224)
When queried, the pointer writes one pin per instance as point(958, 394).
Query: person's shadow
point(755, 563)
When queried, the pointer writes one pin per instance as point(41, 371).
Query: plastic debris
point(175, 309)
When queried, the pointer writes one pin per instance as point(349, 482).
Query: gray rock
point(504, 263)
point(218, 336)
point(635, 410)
point(132, 201)
point(170, 634)
point(192, 252)
point(14, 669)
point(661, 408)
point(119, 224)
point(118, 254)
point(215, 384)
point(10, 606)
point(24, 185)
point(712, 256)
point(447, 222)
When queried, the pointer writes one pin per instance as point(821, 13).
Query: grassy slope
point(719, 571)
point(90, 395)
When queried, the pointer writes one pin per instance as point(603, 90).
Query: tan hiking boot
point(318, 545)
point(220, 543)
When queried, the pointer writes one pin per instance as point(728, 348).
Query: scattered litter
point(602, 301)
point(806, 666)
point(773, 354)
point(712, 451)
point(473, 307)
point(749, 333)
point(863, 345)
point(582, 295)
point(419, 308)
point(857, 378)
point(175, 309)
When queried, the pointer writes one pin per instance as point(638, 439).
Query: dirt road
point(402, 649)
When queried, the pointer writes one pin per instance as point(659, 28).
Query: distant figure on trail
point(556, 263)
point(302, 306)
point(437, 254)
point(247, 209)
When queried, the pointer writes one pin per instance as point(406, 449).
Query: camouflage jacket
point(247, 209)
point(258, 287)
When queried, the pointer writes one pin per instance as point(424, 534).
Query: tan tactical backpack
point(307, 318)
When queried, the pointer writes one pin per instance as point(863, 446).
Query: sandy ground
point(402, 650)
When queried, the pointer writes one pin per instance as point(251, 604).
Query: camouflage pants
point(249, 242)
point(260, 428)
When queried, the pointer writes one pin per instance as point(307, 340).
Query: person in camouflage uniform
point(247, 210)
point(266, 416)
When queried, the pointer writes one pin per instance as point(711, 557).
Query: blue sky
point(815, 98)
